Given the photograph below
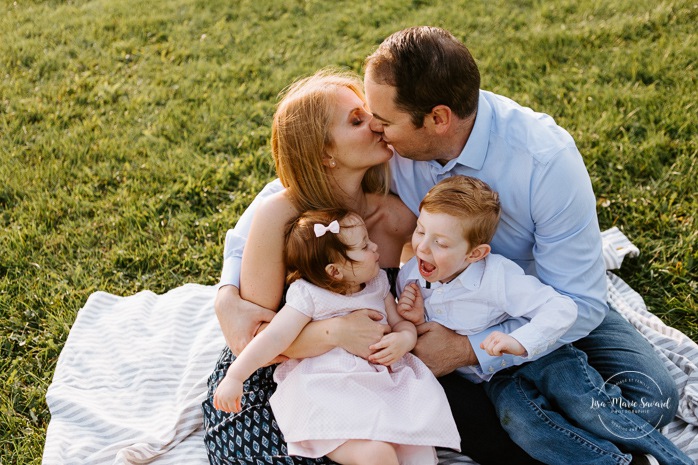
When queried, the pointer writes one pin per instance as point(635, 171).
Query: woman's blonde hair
point(300, 137)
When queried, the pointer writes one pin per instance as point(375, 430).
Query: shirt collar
point(424, 284)
point(471, 277)
point(475, 150)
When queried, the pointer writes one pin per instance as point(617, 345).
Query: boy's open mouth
point(425, 269)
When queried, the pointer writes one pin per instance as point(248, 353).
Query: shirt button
point(439, 311)
point(491, 369)
point(504, 363)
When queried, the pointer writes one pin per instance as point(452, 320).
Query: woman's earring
point(333, 163)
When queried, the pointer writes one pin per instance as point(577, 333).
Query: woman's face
point(354, 144)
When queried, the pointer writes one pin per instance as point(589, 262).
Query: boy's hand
point(410, 306)
point(498, 343)
point(391, 348)
point(228, 395)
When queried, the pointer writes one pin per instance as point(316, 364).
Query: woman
point(326, 156)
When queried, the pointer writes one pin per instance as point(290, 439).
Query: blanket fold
point(130, 380)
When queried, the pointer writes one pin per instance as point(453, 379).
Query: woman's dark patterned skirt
point(252, 436)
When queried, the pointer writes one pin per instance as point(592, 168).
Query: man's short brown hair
point(428, 66)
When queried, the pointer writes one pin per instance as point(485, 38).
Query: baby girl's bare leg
point(364, 452)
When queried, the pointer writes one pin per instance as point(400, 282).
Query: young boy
point(455, 281)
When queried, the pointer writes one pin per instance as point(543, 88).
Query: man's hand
point(239, 319)
point(442, 349)
point(411, 304)
point(358, 330)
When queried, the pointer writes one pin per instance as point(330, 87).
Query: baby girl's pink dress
point(323, 401)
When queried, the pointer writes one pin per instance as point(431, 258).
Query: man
point(422, 86)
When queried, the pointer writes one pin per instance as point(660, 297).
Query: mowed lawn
point(133, 134)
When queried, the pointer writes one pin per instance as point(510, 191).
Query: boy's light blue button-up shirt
point(491, 291)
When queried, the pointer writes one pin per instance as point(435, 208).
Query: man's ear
point(439, 119)
point(479, 252)
point(333, 271)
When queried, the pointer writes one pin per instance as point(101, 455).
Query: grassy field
point(133, 134)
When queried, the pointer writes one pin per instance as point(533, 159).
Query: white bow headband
point(321, 229)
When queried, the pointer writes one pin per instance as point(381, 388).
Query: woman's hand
point(239, 319)
point(358, 330)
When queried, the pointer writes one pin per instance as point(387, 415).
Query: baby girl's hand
point(498, 343)
point(390, 348)
point(410, 306)
point(228, 395)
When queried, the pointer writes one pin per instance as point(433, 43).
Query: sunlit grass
point(133, 134)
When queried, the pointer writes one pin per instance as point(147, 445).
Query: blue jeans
point(615, 347)
point(562, 411)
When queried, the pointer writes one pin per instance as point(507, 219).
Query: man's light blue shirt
point(549, 225)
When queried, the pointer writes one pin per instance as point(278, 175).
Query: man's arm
point(568, 248)
point(442, 349)
point(567, 252)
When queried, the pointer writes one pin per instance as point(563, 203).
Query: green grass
point(133, 134)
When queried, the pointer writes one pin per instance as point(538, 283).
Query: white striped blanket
point(130, 380)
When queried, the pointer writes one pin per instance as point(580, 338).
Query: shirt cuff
point(489, 364)
point(529, 337)
point(230, 275)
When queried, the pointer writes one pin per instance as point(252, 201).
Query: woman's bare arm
point(240, 319)
point(354, 333)
point(262, 274)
